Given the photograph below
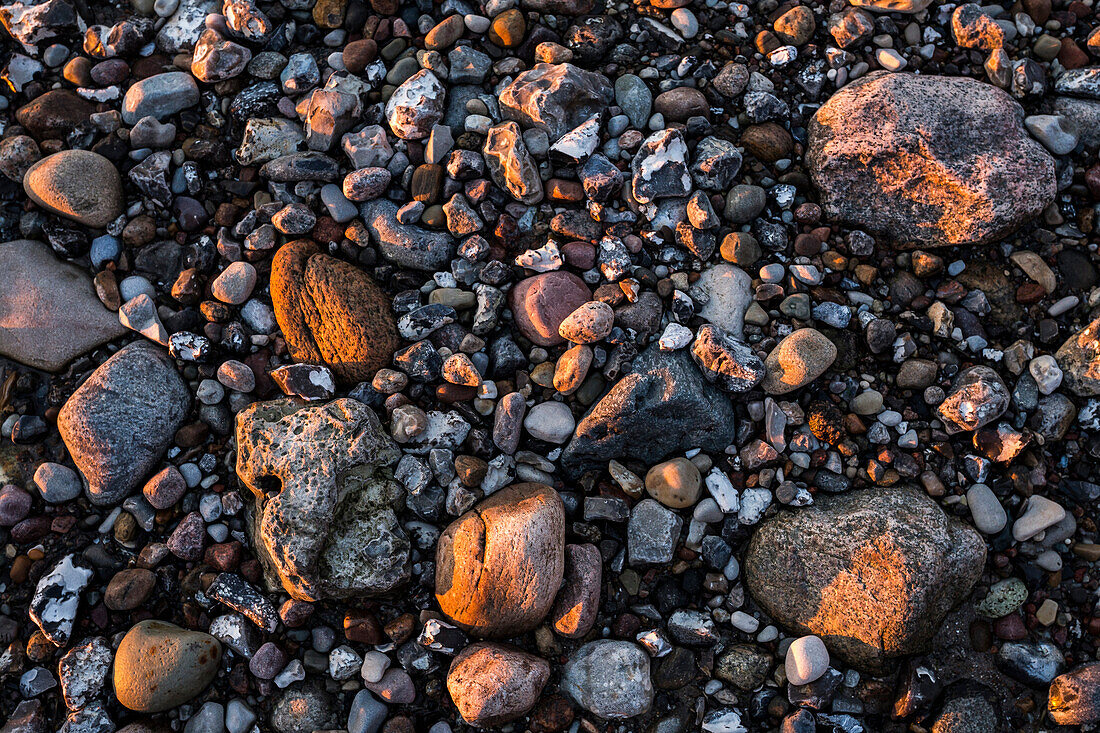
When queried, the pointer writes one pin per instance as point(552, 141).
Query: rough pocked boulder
point(928, 160)
point(326, 501)
point(872, 572)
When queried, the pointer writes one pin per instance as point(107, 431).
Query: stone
point(578, 602)
point(57, 484)
point(555, 98)
point(725, 361)
point(326, 522)
point(807, 659)
point(234, 284)
point(916, 180)
point(493, 684)
point(1040, 513)
point(1074, 697)
point(216, 58)
point(120, 421)
point(870, 572)
point(57, 598)
point(989, 516)
point(159, 96)
point(797, 360)
point(416, 105)
point(589, 323)
point(659, 169)
point(609, 678)
point(652, 533)
point(745, 666)
point(158, 666)
point(723, 293)
point(908, 7)
point(542, 302)
point(332, 313)
point(550, 421)
point(511, 165)
point(83, 670)
point(128, 589)
point(977, 397)
point(663, 406)
point(59, 184)
point(55, 114)
point(49, 312)
point(303, 708)
point(499, 565)
point(974, 28)
point(406, 245)
point(676, 483)
point(1079, 360)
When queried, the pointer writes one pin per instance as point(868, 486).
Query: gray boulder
point(609, 678)
point(49, 313)
point(928, 160)
point(325, 521)
point(664, 406)
point(118, 424)
point(873, 573)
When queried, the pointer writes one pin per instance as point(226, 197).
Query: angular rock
point(416, 105)
point(555, 97)
point(1079, 360)
point(57, 598)
point(1074, 697)
point(954, 164)
point(725, 361)
point(59, 184)
point(406, 245)
point(326, 521)
point(493, 684)
point(120, 421)
point(158, 666)
point(510, 165)
point(660, 168)
point(663, 406)
point(871, 572)
point(83, 670)
point(331, 312)
point(499, 565)
point(724, 293)
point(977, 397)
point(49, 313)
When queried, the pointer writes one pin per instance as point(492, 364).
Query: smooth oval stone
point(77, 184)
point(160, 665)
point(798, 360)
point(159, 96)
point(493, 684)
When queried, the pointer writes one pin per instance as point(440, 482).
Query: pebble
point(989, 516)
point(676, 483)
point(807, 659)
point(235, 283)
point(798, 360)
point(57, 483)
point(57, 184)
point(610, 679)
point(492, 684)
point(1040, 514)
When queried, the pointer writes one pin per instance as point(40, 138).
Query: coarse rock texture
point(609, 678)
point(871, 572)
point(1075, 696)
point(928, 160)
point(665, 405)
point(331, 313)
point(326, 498)
point(499, 566)
point(1079, 359)
point(555, 97)
point(159, 665)
point(49, 314)
point(77, 184)
point(118, 424)
point(493, 684)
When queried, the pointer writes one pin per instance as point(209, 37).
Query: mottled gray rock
point(83, 670)
point(406, 245)
point(665, 405)
point(652, 533)
point(416, 105)
point(928, 160)
point(118, 424)
point(326, 499)
point(609, 678)
point(159, 96)
point(49, 313)
point(871, 572)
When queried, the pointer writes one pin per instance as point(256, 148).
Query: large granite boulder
point(928, 160)
point(49, 313)
point(118, 424)
point(331, 312)
point(555, 97)
point(499, 566)
point(326, 501)
point(665, 405)
point(873, 573)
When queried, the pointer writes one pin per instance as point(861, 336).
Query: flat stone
point(158, 666)
point(871, 572)
point(331, 312)
point(406, 245)
point(916, 179)
point(331, 529)
point(54, 114)
point(542, 302)
point(499, 565)
point(49, 312)
point(578, 602)
point(120, 421)
point(159, 96)
point(59, 184)
point(665, 405)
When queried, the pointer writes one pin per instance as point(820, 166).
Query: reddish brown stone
point(540, 303)
point(54, 114)
point(331, 312)
point(681, 103)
